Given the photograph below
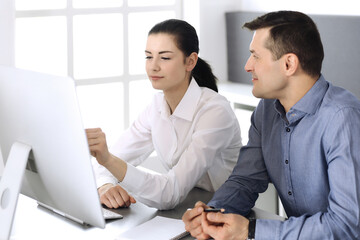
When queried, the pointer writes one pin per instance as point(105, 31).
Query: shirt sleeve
point(102, 175)
point(133, 146)
point(213, 132)
point(249, 177)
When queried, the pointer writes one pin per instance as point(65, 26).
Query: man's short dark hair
point(292, 32)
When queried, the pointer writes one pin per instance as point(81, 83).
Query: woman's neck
point(173, 100)
point(174, 97)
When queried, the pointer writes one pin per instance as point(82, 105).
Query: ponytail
point(204, 75)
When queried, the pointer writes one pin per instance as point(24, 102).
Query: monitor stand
point(10, 185)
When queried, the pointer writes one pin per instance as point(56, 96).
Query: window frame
point(126, 78)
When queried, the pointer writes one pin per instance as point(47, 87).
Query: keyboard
point(108, 214)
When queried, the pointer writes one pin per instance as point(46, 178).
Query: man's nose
point(248, 66)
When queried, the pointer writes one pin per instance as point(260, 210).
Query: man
point(304, 138)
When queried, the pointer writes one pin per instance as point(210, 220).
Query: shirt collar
point(312, 99)
point(188, 104)
point(308, 104)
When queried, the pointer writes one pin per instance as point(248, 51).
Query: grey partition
point(340, 36)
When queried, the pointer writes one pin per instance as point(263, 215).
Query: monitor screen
point(41, 111)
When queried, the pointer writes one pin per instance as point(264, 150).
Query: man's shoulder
point(340, 98)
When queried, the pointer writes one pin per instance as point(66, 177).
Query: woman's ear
point(191, 61)
point(291, 63)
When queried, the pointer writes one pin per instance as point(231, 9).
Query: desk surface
point(35, 222)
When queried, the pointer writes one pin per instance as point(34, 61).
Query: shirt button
point(288, 129)
point(286, 161)
point(289, 193)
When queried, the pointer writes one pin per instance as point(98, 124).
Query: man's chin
point(257, 94)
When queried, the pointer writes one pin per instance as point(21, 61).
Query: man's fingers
point(199, 234)
point(190, 214)
point(216, 217)
point(200, 204)
point(208, 227)
point(196, 211)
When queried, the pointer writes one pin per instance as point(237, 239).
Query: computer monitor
point(41, 130)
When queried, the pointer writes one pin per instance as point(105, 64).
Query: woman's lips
point(154, 78)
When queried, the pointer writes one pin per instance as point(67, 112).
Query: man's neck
point(297, 89)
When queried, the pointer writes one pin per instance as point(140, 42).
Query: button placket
point(287, 137)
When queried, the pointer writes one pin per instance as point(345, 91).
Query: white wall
point(212, 33)
point(7, 25)
point(212, 21)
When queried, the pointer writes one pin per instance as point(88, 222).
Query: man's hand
point(114, 196)
point(192, 220)
point(225, 226)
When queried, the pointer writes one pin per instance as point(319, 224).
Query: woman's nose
point(154, 65)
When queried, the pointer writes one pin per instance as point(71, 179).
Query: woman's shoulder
point(211, 101)
point(210, 96)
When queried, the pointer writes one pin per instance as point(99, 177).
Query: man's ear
point(191, 61)
point(291, 62)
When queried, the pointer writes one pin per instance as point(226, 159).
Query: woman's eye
point(148, 57)
point(165, 58)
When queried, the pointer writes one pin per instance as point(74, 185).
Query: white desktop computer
point(44, 147)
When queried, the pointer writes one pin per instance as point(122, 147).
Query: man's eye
point(165, 58)
point(148, 57)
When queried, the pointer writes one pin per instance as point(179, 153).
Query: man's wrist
point(251, 231)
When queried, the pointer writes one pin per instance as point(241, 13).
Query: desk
point(35, 222)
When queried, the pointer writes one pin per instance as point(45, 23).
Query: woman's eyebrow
point(161, 52)
point(165, 52)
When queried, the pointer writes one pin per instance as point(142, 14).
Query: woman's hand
point(114, 196)
point(97, 144)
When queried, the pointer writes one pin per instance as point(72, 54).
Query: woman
point(192, 128)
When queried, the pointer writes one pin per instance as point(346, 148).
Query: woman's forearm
point(117, 167)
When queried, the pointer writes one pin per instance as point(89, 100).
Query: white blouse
point(198, 145)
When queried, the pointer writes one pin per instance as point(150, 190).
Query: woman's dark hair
point(187, 41)
point(292, 32)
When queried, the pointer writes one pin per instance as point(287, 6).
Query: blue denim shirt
point(312, 156)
